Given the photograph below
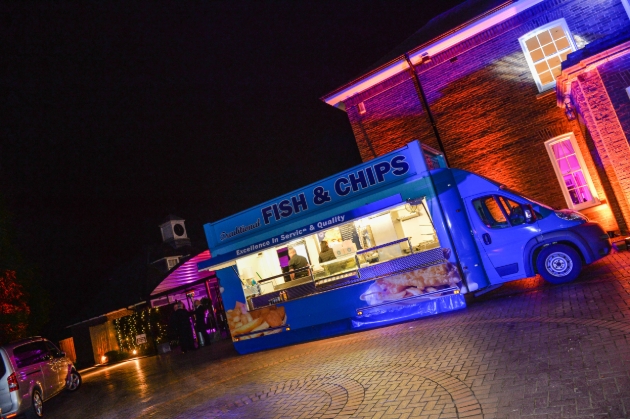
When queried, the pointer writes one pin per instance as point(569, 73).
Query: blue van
point(396, 238)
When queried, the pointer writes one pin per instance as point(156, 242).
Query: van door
point(58, 364)
point(500, 229)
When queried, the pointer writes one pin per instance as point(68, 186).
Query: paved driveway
point(526, 350)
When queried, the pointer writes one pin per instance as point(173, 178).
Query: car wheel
point(559, 263)
point(74, 381)
point(37, 406)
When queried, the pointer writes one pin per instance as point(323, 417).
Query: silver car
point(31, 371)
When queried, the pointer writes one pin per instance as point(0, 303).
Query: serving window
point(336, 254)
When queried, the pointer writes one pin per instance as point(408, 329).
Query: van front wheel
point(559, 263)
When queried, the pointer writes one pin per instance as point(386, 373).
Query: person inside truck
point(327, 253)
point(296, 262)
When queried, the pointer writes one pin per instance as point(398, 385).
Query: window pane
point(514, 211)
point(563, 56)
point(542, 67)
point(554, 61)
point(556, 32)
point(585, 194)
point(546, 77)
point(569, 182)
point(494, 209)
point(537, 55)
point(532, 43)
point(549, 50)
point(558, 150)
point(573, 162)
point(29, 354)
point(544, 38)
point(490, 213)
point(563, 164)
point(566, 144)
point(579, 178)
point(574, 197)
point(562, 44)
point(556, 71)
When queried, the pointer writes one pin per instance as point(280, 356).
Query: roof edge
point(430, 48)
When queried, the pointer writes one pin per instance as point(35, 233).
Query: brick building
point(531, 93)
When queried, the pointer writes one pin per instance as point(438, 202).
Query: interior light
point(103, 359)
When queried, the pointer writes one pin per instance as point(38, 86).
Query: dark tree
point(14, 310)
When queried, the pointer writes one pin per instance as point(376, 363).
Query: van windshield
point(533, 201)
point(3, 368)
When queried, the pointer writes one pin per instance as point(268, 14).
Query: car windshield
point(3, 368)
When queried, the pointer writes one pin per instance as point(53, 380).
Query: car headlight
point(571, 216)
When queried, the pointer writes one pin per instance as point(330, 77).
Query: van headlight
point(571, 216)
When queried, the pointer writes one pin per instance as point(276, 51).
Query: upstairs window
point(574, 179)
point(545, 49)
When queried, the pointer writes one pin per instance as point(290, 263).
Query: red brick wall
point(392, 119)
point(489, 113)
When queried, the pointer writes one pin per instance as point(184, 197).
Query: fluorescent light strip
point(401, 65)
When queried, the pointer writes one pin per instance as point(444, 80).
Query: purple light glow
point(185, 274)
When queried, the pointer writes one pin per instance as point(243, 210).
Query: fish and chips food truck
point(397, 238)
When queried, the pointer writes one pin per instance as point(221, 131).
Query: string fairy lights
point(147, 322)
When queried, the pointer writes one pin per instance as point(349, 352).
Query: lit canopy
point(185, 274)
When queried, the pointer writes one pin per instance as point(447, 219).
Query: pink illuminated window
point(571, 172)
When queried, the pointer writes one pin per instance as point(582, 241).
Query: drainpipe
point(425, 104)
point(367, 139)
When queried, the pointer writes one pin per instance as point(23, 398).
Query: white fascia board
point(401, 65)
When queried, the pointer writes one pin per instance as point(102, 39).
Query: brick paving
point(527, 350)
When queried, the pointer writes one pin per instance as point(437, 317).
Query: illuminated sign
point(362, 179)
point(305, 230)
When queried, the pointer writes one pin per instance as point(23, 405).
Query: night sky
point(116, 114)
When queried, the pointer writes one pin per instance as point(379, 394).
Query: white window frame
point(587, 176)
point(528, 58)
point(626, 6)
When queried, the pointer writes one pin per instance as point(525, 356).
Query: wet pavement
point(526, 350)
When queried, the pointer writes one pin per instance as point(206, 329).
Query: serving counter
point(347, 271)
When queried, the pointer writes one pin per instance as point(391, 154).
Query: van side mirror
point(528, 213)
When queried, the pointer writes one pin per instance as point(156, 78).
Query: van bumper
point(595, 241)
